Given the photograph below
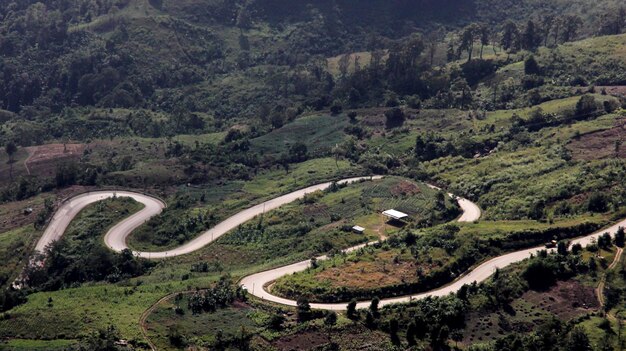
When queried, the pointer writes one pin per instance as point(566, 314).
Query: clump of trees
point(66, 265)
point(223, 294)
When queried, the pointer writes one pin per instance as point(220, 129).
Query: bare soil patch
point(43, 159)
point(305, 340)
point(383, 271)
point(566, 300)
point(14, 215)
point(615, 90)
point(405, 188)
point(600, 145)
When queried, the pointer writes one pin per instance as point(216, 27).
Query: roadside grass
point(505, 182)
point(495, 229)
point(109, 212)
point(301, 175)
point(15, 248)
point(223, 200)
point(73, 313)
point(593, 330)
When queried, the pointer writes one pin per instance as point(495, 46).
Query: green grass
point(34, 345)
point(301, 175)
point(318, 132)
point(502, 227)
point(418, 201)
point(501, 118)
point(15, 248)
point(198, 328)
point(227, 199)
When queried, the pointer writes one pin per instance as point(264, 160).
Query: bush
point(394, 117)
point(531, 67)
point(539, 275)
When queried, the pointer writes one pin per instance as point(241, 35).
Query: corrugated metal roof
point(395, 214)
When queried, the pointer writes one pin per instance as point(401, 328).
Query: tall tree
point(558, 23)
point(547, 23)
point(329, 321)
point(485, 37)
point(613, 21)
point(578, 340)
point(468, 37)
point(432, 41)
point(11, 149)
point(530, 39)
point(510, 37)
point(571, 26)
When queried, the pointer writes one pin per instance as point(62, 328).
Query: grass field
point(320, 133)
point(224, 200)
point(559, 107)
point(201, 329)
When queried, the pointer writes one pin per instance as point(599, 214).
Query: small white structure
point(397, 215)
point(358, 229)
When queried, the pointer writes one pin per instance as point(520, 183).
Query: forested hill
point(389, 16)
point(207, 56)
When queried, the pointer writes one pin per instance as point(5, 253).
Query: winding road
point(256, 284)
point(115, 238)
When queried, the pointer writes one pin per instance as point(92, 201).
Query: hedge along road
point(115, 238)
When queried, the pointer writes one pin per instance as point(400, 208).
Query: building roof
point(358, 228)
point(395, 214)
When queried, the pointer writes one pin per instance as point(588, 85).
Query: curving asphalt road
point(70, 209)
point(257, 284)
point(115, 238)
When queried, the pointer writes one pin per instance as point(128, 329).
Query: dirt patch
point(315, 211)
point(15, 214)
point(368, 274)
point(43, 159)
point(305, 340)
point(566, 300)
point(616, 90)
point(600, 145)
point(405, 188)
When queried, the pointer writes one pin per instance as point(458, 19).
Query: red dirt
point(566, 300)
point(305, 340)
point(367, 274)
point(617, 90)
point(43, 159)
point(405, 188)
point(600, 145)
point(12, 214)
